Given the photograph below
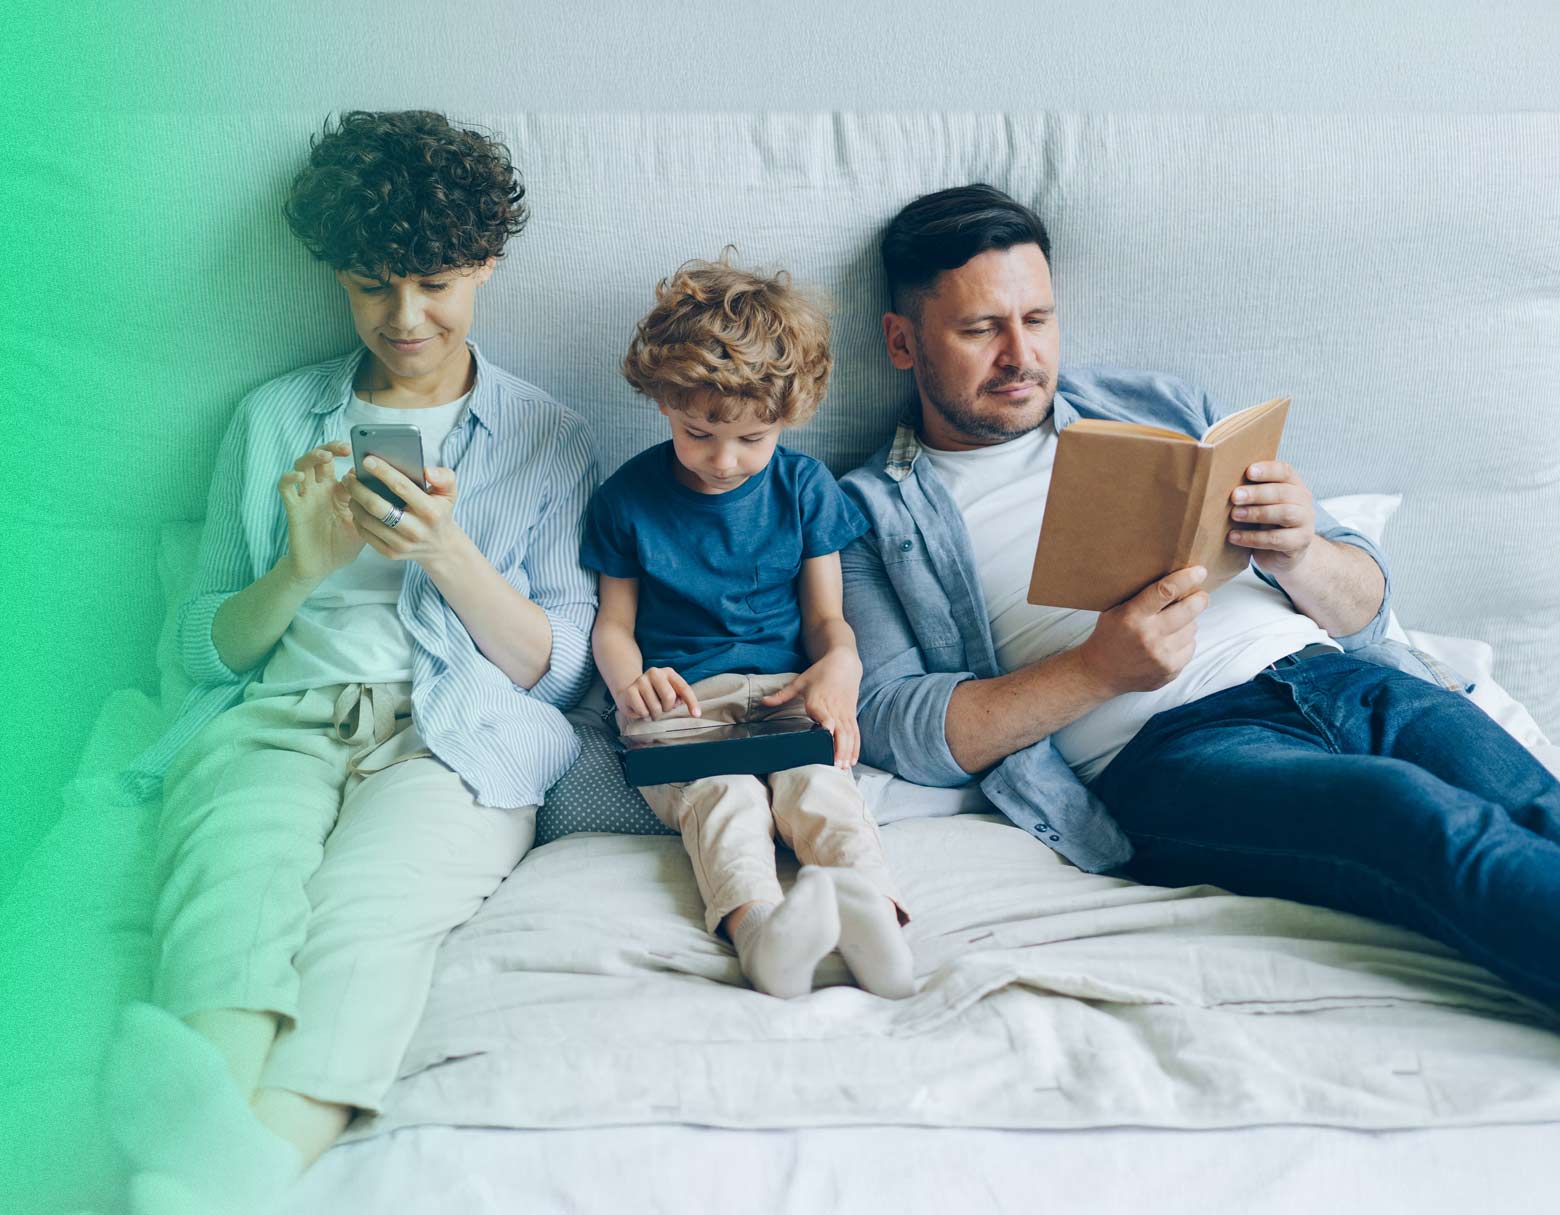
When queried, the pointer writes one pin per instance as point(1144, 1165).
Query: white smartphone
point(398, 445)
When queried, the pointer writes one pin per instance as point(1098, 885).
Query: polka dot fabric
point(592, 796)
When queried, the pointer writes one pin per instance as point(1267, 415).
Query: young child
point(720, 599)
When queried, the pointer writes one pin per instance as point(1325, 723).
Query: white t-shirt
point(348, 630)
point(1001, 492)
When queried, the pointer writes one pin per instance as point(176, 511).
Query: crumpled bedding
point(585, 993)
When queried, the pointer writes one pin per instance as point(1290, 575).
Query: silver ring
point(393, 516)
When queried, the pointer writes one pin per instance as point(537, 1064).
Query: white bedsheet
point(582, 995)
point(578, 997)
point(681, 1170)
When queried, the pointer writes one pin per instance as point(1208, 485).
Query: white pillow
point(1365, 513)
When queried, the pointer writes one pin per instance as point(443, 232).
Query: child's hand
point(656, 691)
point(828, 690)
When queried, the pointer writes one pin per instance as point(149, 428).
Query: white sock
point(172, 1106)
point(780, 946)
point(871, 940)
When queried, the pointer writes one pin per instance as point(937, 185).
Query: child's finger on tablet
point(685, 693)
point(662, 689)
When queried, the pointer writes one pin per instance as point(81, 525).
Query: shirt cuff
point(569, 668)
point(1376, 629)
point(905, 728)
point(197, 652)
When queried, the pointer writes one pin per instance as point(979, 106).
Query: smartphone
point(398, 445)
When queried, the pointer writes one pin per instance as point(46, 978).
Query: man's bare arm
point(1140, 645)
point(1339, 586)
point(989, 719)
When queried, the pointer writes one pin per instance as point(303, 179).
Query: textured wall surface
point(1378, 262)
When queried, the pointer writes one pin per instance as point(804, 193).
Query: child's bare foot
point(780, 946)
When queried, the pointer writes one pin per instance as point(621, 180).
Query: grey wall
point(1472, 55)
point(74, 636)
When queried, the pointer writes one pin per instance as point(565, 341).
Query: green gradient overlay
point(108, 289)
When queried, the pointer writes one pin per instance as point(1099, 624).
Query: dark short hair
point(943, 230)
point(405, 193)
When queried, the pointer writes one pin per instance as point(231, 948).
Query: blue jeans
point(1349, 785)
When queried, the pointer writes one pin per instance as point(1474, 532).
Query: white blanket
point(586, 993)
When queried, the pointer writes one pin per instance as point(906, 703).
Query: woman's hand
point(424, 530)
point(321, 536)
point(828, 691)
point(655, 692)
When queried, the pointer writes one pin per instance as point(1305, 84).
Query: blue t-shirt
point(717, 572)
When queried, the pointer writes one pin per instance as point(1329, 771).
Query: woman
point(377, 711)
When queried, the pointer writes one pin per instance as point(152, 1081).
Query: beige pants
point(313, 855)
point(728, 822)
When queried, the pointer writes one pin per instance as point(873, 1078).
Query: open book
point(1128, 504)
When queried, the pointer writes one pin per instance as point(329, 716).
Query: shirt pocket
point(902, 548)
point(925, 603)
point(775, 587)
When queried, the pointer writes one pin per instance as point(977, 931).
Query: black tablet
point(755, 747)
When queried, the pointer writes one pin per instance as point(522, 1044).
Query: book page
point(1105, 426)
point(1227, 426)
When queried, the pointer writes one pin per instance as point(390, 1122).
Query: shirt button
point(1055, 838)
point(907, 546)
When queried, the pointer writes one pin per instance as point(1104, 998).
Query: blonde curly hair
point(727, 342)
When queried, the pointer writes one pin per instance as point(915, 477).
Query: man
point(1261, 739)
point(377, 710)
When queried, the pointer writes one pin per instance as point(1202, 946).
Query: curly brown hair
point(405, 193)
point(728, 342)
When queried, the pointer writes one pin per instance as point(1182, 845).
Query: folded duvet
point(586, 993)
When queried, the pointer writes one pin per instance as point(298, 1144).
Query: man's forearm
point(989, 719)
point(1339, 586)
point(249, 624)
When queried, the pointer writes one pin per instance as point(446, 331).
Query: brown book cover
point(1129, 504)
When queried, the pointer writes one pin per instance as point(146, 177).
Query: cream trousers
point(728, 823)
point(313, 854)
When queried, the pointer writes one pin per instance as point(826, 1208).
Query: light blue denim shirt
point(524, 473)
point(913, 597)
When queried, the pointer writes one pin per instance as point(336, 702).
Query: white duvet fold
point(587, 993)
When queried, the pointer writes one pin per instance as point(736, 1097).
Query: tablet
point(754, 748)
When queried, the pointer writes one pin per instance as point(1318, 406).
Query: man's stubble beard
point(962, 415)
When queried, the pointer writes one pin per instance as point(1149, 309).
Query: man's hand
point(1145, 642)
point(654, 692)
point(1280, 515)
point(828, 691)
point(321, 537)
